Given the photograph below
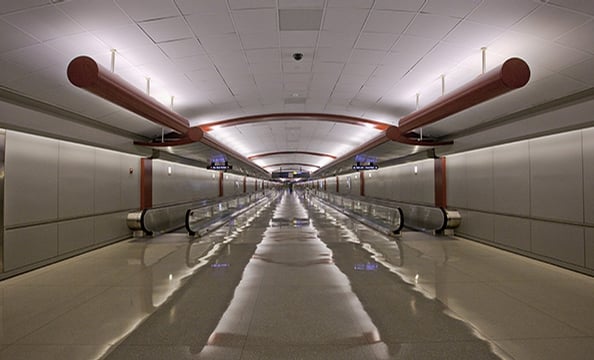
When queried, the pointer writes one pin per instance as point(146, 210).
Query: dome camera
point(297, 56)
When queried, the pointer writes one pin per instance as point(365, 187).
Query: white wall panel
point(129, 183)
point(511, 231)
point(31, 183)
point(107, 181)
point(556, 177)
point(76, 177)
point(511, 179)
point(74, 235)
point(588, 154)
point(456, 181)
point(476, 224)
point(110, 227)
point(30, 245)
point(590, 248)
point(479, 179)
point(558, 241)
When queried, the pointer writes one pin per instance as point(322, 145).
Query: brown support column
point(362, 183)
point(440, 182)
point(146, 183)
point(337, 186)
point(255, 184)
point(324, 184)
point(244, 184)
point(221, 184)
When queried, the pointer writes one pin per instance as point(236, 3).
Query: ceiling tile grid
point(360, 57)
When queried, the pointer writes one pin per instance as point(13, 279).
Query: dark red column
point(146, 183)
point(362, 183)
point(221, 184)
point(244, 184)
point(440, 183)
point(337, 185)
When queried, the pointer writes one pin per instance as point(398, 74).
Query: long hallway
point(297, 280)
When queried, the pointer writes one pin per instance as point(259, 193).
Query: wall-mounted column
point(362, 183)
point(325, 185)
point(2, 158)
point(146, 183)
point(221, 178)
point(244, 184)
point(440, 182)
point(337, 185)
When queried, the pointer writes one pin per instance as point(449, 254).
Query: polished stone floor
point(296, 280)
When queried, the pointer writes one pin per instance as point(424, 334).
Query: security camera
point(297, 56)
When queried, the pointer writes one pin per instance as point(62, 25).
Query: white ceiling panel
point(182, 48)
point(585, 6)
point(333, 54)
point(455, 8)
point(359, 69)
point(143, 55)
point(583, 72)
point(123, 37)
point(255, 21)
point(13, 38)
point(549, 22)
point(251, 4)
point(10, 72)
point(80, 44)
point(414, 46)
point(35, 57)
point(503, 13)
point(260, 41)
point(148, 9)
point(473, 35)
point(95, 14)
point(297, 67)
point(431, 26)
point(347, 21)
point(376, 41)
point(210, 24)
point(360, 56)
point(305, 39)
point(8, 6)
point(221, 44)
point(301, 4)
point(393, 22)
point(361, 4)
point(263, 55)
point(581, 38)
point(401, 5)
point(336, 39)
point(266, 68)
point(202, 6)
point(167, 29)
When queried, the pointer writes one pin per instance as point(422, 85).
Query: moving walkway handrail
point(415, 216)
point(170, 217)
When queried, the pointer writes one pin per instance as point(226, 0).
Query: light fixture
point(416, 169)
point(169, 170)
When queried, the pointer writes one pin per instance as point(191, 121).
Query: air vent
point(295, 100)
point(300, 19)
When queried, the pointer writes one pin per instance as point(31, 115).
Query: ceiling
point(216, 60)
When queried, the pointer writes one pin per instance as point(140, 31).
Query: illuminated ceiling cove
point(215, 62)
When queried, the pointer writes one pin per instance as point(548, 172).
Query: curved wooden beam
point(87, 74)
point(296, 116)
point(292, 164)
point(512, 74)
point(257, 156)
